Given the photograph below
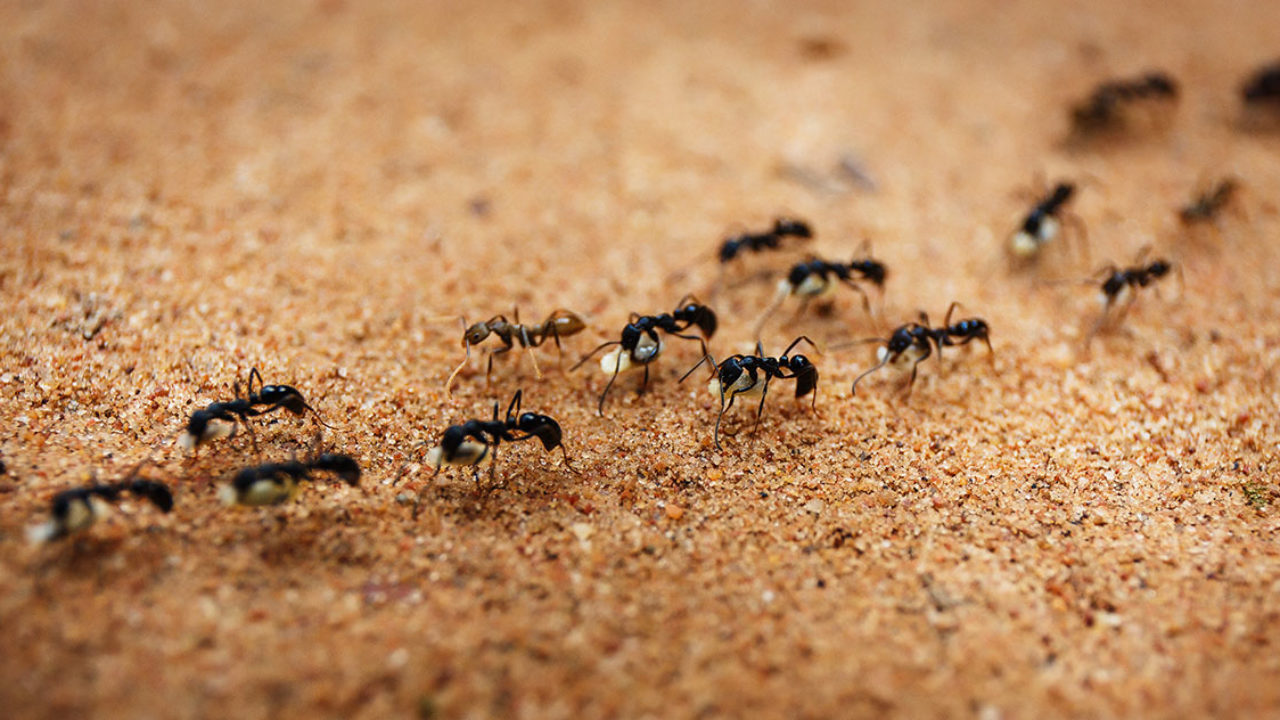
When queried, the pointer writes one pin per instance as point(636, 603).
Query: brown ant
point(815, 278)
point(220, 419)
point(749, 376)
point(475, 441)
point(75, 510)
point(640, 343)
point(1104, 110)
point(1207, 206)
point(560, 323)
point(915, 342)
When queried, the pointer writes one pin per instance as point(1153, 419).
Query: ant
point(640, 343)
point(815, 278)
point(1103, 109)
point(1043, 223)
point(560, 323)
point(1209, 204)
point(915, 342)
point(274, 483)
point(202, 428)
point(741, 375)
point(768, 240)
point(474, 441)
point(75, 510)
point(1263, 87)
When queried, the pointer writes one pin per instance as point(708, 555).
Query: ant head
point(1159, 268)
point(1112, 286)
point(541, 427)
point(792, 227)
point(729, 372)
point(1061, 193)
point(344, 466)
point(1160, 83)
point(902, 338)
point(873, 270)
point(158, 493)
point(475, 334)
point(729, 249)
point(692, 311)
point(799, 273)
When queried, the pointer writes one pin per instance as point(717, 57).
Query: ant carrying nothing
point(220, 419)
point(1104, 109)
point(475, 441)
point(1121, 285)
point(1208, 205)
point(75, 510)
point(640, 343)
point(768, 240)
point(815, 278)
point(915, 342)
point(560, 323)
point(1043, 224)
point(741, 375)
point(275, 483)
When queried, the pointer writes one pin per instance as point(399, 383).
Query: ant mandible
point(474, 441)
point(640, 343)
point(560, 323)
point(274, 483)
point(815, 278)
point(74, 510)
point(740, 375)
point(915, 342)
point(220, 419)
point(1043, 223)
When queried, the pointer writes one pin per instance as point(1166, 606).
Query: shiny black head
point(1061, 193)
point(784, 227)
point(729, 249)
point(872, 271)
point(806, 374)
point(344, 466)
point(284, 396)
point(729, 372)
point(1114, 283)
point(541, 427)
point(903, 338)
point(1159, 268)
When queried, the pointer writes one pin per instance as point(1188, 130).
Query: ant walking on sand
point(274, 483)
point(475, 441)
point(75, 510)
point(1209, 204)
point(768, 240)
point(1120, 285)
point(915, 342)
point(220, 419)
point(815, 278)
point(560, 323)
point(641, 344)
point(749, 376)
point(1104, 110)
point(1043, 223)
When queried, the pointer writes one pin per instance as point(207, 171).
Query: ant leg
point(764, 393)
point(252, 374)
point(723, 409)
point(645, 382)
point(515, 405)
point(879, 365)
point(866, 301)
point(589, 355)
point(605, 393)
point(697, 365)
point(448, 384)
point(533, 358)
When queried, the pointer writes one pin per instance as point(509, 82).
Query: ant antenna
point(466, 345)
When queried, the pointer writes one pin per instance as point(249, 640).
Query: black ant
point(475, 441)
point(1263, 87)
point(741, 375)
point(915, 342)
point(275, 483)
point(815, 278)
point(1208, 205)
point(220, 419)
point(1122, 283)
point(768, 240)
point(1103, 109)
point(560, 323)
point(640, 343)
point(1043, 223)
point(75, 510)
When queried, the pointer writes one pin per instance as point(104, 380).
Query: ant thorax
point(620, 360)
point(1025, 244)
point(469, 452)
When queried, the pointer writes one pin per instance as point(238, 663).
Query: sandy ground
point(320, 189)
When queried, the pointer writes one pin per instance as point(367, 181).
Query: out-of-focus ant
point(641, 344)
point(475, 441)
point(768, 240)
point(277, 482)
point(1207, 206)
point(560, 323)
point(748, 376)
point(1044, 223)
point(915, 342)
point(1105, 109)
point(815, 278)
point(220, 419)
point(1120, 285)
point(1263, 87)
point(74, 510)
